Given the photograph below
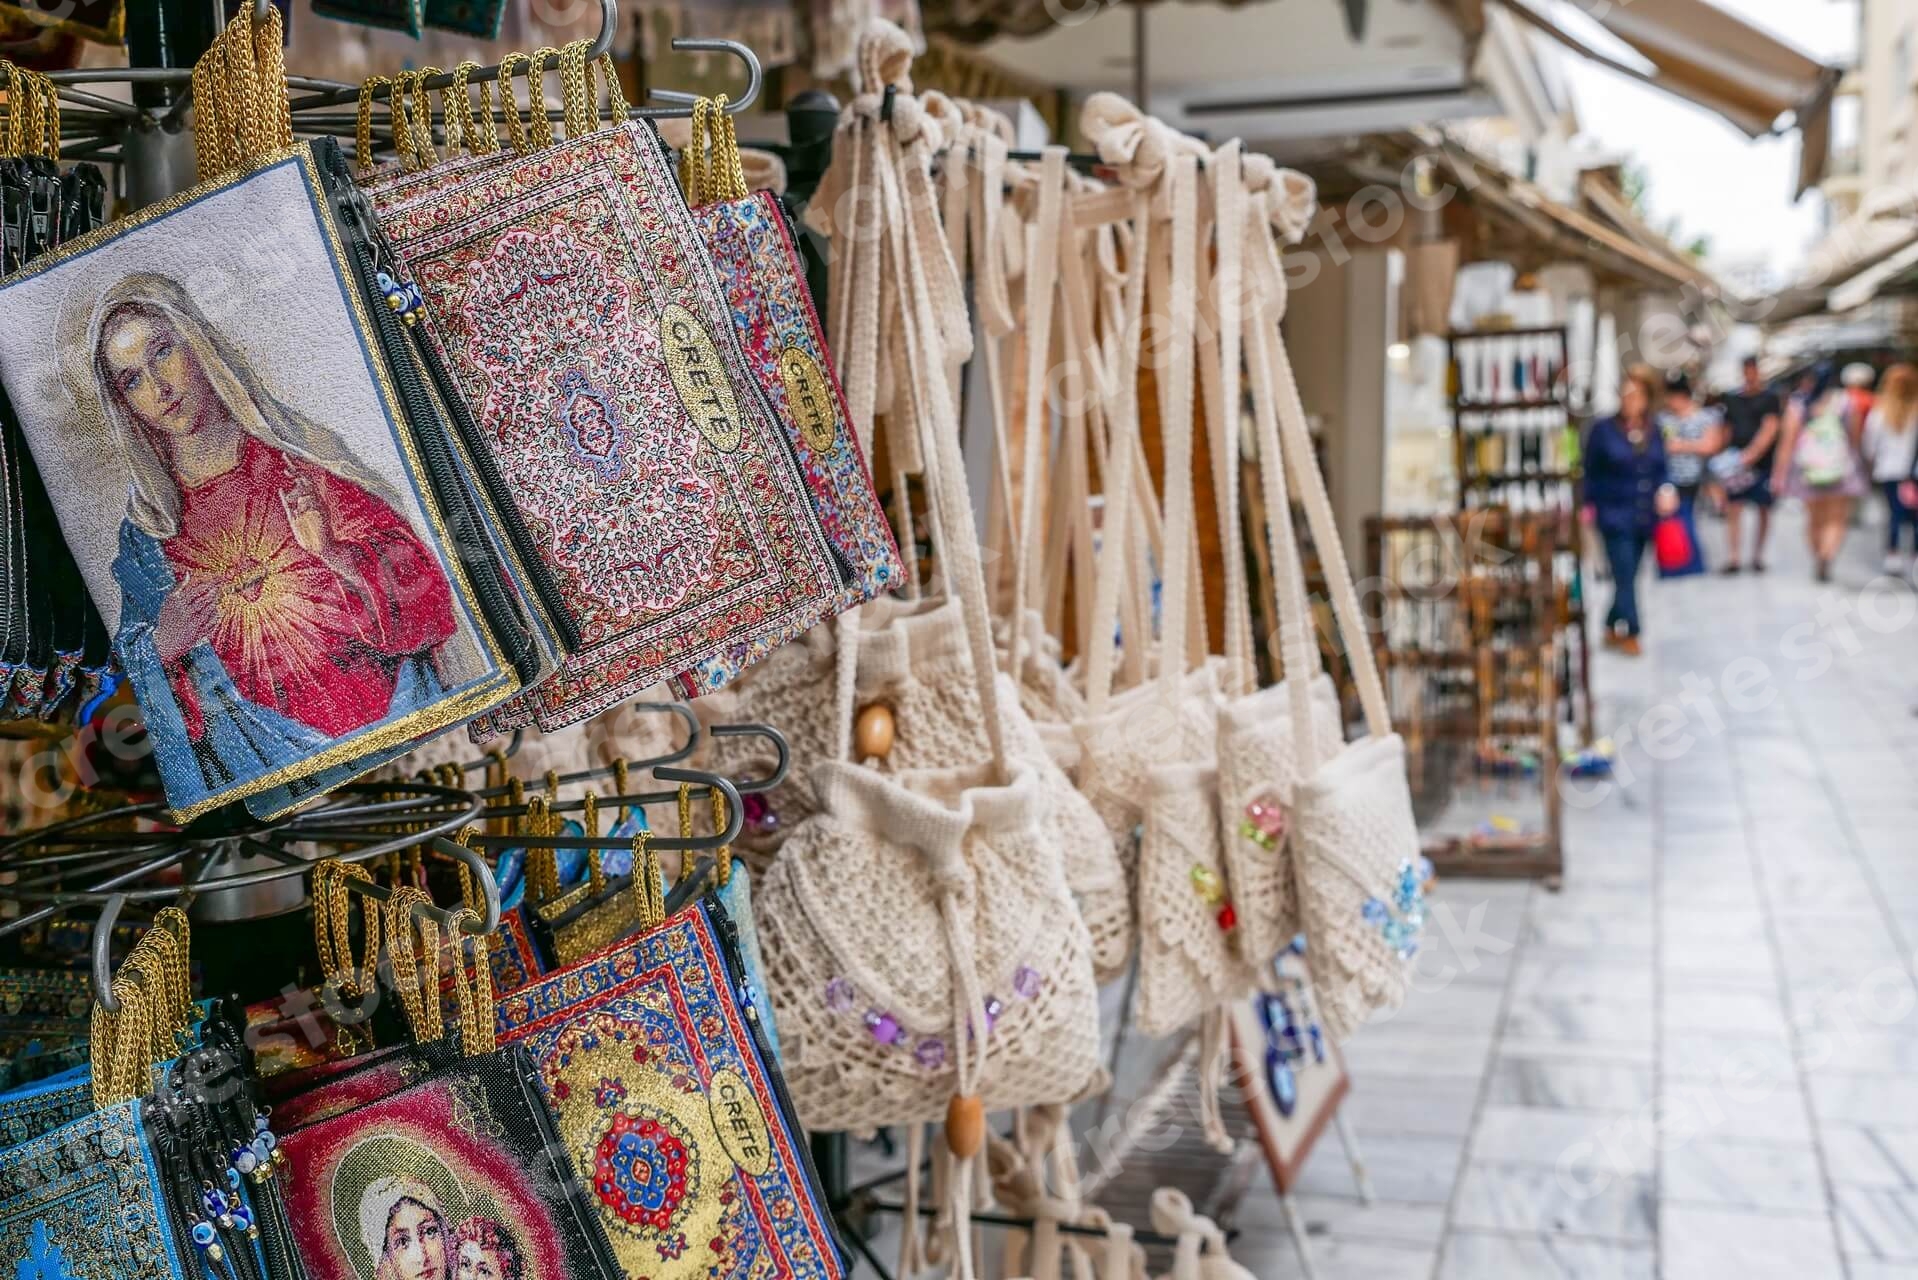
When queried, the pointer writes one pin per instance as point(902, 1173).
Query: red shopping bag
point(1672, 544)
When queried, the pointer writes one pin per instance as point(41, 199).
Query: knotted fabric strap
point(1200, 1253)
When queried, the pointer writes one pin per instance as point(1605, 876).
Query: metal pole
point(1141, 83)
point(170, 34)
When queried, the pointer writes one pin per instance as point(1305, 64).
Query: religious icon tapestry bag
point(458, 1173)
point(252, 475)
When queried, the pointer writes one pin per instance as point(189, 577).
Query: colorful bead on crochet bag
point(672, 1108)
point(570, 294)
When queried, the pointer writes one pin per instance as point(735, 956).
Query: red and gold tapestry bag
point(569, 293)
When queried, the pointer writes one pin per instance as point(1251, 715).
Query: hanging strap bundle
point(922, 938)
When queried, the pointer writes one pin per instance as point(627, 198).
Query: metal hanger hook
point(103, 952)
point(755, 75)
point(783, 766)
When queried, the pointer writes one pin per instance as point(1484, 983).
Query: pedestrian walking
point(1891, 450)
point(1752, 423)
point(1693, 435)
point(1628, 488)
point(1817, 463)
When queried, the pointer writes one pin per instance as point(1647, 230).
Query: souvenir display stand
point(1470, 606)
point(514, 797)
point(1515, 445)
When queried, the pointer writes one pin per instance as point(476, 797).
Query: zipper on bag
point(484, 465)
point(470, 543)
point(525, 1073)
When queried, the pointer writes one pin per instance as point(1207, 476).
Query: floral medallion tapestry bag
point(653, 1059)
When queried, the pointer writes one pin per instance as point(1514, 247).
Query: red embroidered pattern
point(546, 281)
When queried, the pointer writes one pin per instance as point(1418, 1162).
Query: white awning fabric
point(1867, 284)
point(1703, 54)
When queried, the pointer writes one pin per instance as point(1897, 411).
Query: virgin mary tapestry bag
point(252, 480)
point(570, 295)
point(652, 1057)
point(457, 1174)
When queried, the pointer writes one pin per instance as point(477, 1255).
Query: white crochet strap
point(1220, 358)
point(1042, 263)
point(1089, 392)
point(1302, 462)
point(1176, 423)
point(1122, 447)
point(1288, 576)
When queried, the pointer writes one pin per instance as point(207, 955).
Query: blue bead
point(204, 1234)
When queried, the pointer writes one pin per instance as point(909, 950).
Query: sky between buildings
point(1703, 172)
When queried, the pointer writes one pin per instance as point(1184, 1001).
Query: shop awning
point(1630, 250)
point(1845, 269)
point(1896, 275)
point(1705, 55)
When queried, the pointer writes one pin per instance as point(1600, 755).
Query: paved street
point(1700, 1059)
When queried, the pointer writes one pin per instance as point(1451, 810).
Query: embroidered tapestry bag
point(668, 1099)
point(251, 475)
point(750, 239)
point(570, 295)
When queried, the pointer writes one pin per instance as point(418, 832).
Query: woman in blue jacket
point(1628, 489)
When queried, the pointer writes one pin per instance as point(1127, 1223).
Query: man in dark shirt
point(1752, 421)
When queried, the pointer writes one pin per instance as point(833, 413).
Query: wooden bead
point(872, 732)
point(965, 1125)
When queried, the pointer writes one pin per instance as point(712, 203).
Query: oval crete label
point(699, 376)
point(809, 399)
point(741, 1124)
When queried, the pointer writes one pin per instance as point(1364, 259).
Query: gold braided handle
point(420, 116)
point(413, 947)
point(29, 114)
point(153, 989)
point(241, 114)
point(363, 125)
point(709, 168)
point(534, 130)
point(647, 888)
point(472, 984)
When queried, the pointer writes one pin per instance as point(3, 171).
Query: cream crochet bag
point(926, 959)
point(1187, 962)
point(1148, 755)
point(1355, 843)
point(1173, 719)
point(910, 903)
point(1259, 765)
